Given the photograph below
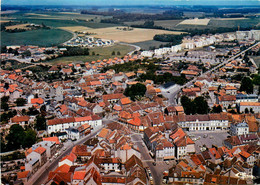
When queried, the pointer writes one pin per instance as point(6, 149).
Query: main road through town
point(41, 176)
point(173, 91)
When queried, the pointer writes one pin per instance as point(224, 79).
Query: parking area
point(208, 139)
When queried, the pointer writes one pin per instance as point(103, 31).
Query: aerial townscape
point(139, 93)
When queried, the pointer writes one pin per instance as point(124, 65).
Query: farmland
point(60, 19)
point(196, 22)
point(18, 26)
point(36, 37)
point(131, 36)
point(100, 54)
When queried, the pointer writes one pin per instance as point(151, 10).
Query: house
point(183, 144)
point(112, 98)
point(22, 120)
point(24, 176)
point(165, 150)
point(66, 71)
point(49, 146)
point(79, 132)
point(68, 159)
point(226, 100)
point(230, 90)
point(61, 124)
point(239, 128)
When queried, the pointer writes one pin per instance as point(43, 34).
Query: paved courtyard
point(208, 138)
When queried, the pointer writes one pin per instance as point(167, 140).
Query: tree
point(15, 137)
point(201, 105)
point(32, 111)
point(30, 138)
point(40, 123)
point(247, 85)
point(187, 104)
point(216, 109)
point(20, 102)
point(148, 24)
point(4, 103)
point(135, 91)
point(26, 53)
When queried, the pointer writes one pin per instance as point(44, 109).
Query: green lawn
point(104, 53)
point(36, 37)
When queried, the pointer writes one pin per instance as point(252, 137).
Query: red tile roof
point(40, 150)
point(21, 175)
point(37, 100)
point(18, 119)
point(63, 168)
point(53, 139)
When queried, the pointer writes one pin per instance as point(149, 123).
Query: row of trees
point(73, 51)
point(174, 39)
point(161, 79)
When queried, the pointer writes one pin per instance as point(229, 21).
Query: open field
point(196, 21)
point(34, 14)
point(8, 12)
point(75, 28)
point(62, 19)
point(230, 19)
point(170, 24)
point(147, 45)
point(3, 21)
point(132, 36)
point(104, 53)
point(36, 37)
point(18, 26)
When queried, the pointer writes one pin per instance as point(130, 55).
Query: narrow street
point(156, 171)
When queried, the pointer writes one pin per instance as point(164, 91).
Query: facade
point(210, 122)
point(60, 125)
point(239, 128)
point(250, 106)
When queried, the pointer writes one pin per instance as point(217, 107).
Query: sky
point(130, 2)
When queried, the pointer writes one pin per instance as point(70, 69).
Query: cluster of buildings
point(86, 41)
point(109, 158)
point(37, 54)
point(190, 43)
point(248, 35)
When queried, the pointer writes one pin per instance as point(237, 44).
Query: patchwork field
point(18, 26)
point(36, 37)
point(100, 54)
point(196, 22)
point(132, 36)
